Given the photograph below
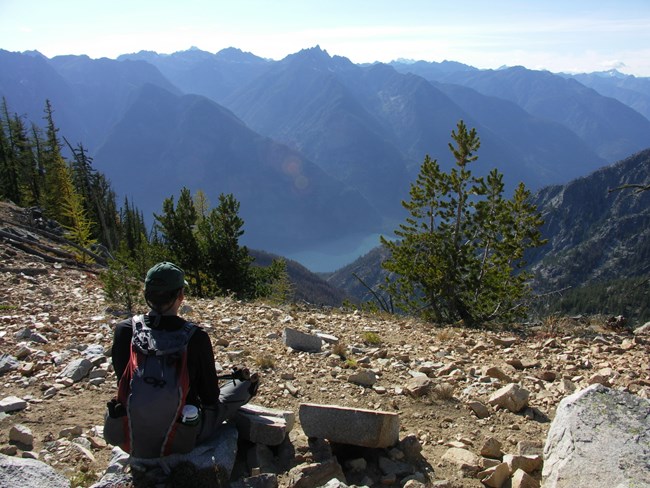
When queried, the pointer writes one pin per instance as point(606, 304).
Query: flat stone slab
point(599, 437)
point(264, 425)
point(12, 403)
point(357, 427)
point(301, 341)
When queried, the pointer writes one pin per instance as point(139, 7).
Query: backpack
point(153, 389)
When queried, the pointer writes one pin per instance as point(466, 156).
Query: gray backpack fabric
point(153, 389)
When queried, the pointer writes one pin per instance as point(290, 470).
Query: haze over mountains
point(316, 148)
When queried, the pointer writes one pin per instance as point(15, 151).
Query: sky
point(572, 36)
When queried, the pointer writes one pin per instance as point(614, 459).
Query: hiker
point(168, 398)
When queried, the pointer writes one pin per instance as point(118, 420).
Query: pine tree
point(226, 261)
point(460, 251)
point(177, 224)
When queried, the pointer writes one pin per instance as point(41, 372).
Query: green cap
point(164, 276)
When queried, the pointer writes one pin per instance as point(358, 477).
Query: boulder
point(643, 330)
point(528, 464)
point(468, 462)
point(301, 341)
point(12, 403)
point(357, 427)
point(479, 409)
point(315, 474)
point(497, 373)
point(495, 476)
point(364, 377)
point(419, 386)
point(491, 449)
point(77, 369)
point(29, 473)
point(512, 396)
point(21, 434)
point(8, 363)
point(264, 425)
point(214, 457)
point(599, 437)
point(521, 479)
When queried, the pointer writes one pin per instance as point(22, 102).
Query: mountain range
point(598, 231)
point(315, 147)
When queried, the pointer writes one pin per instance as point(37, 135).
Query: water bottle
point(190, 415)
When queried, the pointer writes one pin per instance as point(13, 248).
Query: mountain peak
point(317, 58)
point(236, 55)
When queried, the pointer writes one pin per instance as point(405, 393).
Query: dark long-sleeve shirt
point(204, 389)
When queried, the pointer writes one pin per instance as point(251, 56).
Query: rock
point(468, 462)
point(301, 341)
point(77, 369)
point(264, 425)
point(495, 476)
point(260, 456)
point(315, 475)
point(418, 386)
point(264, 480)
point(643, 330)
point(85, 452)
point(599, 437)
point(77, 430)
point(398, 468)
point(21, 434)
point(528, 464)
point(29, 473)
point(504, 341)
point(321, 449)
point(411, 448)
point(358, 427)
point(494, 372)
point(412, 483)
point(442, 484)
point(12, 403)
point(530, 448)
point(329, 338)
point(8, 363)
point(521, 479)
point(512, 396)
point(491, 449)
point(548, 376)
point(364, 377)
point(216, 455)
point(479, 409)
point(357, 464)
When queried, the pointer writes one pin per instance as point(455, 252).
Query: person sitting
point(168, 398)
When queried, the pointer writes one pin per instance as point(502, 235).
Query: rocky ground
point(438, 379)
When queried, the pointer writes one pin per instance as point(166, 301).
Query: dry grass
point(443, 391)
point(372, 338)
point(265, 362)
point(445, 334)
point(340, 349)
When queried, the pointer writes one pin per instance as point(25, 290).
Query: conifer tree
point(226, 261)
point(58, 179)
point(97, 196)
point(176, 224)
point(460, 252)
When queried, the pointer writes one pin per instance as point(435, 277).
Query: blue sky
point(567, 35)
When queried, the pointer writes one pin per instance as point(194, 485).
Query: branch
point(382, 302)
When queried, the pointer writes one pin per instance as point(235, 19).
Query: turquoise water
point(333, 255)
